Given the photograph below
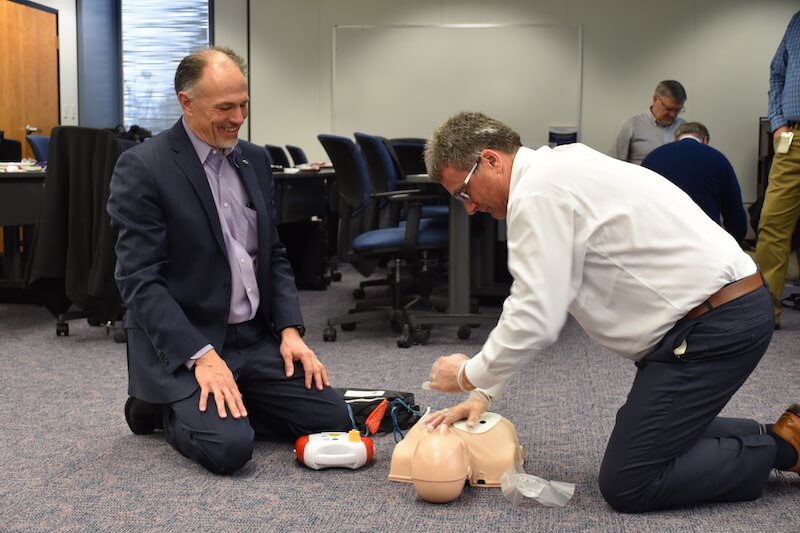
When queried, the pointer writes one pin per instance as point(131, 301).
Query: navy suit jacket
point(706, 175)
point(172, 268)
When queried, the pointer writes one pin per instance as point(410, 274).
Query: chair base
point(348, 322)
point(62, 326)
point(420, 324)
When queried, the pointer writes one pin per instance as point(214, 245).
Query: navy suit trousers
point(669, 448)
point(278, 407)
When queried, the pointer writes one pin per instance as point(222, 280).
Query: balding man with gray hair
point(705, 174)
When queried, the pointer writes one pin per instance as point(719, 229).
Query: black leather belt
point(726, 294)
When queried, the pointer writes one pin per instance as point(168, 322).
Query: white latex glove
point(444, 374)
point(470, 409)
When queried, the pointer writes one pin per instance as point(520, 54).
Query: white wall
point(231, 30)
point(719, 49)
point(67, 57)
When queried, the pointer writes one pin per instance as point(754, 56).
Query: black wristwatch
point(300, 329)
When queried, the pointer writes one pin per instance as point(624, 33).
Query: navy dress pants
point(669, 448)
point(277, 407)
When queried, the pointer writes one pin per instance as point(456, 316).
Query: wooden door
point(29, 81)
point(29, 91)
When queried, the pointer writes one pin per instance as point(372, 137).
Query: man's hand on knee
point(214, 377)
point(292, 349)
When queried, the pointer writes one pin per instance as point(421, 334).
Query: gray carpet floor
point(70, 463)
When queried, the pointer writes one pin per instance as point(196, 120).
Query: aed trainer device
point(334, 449)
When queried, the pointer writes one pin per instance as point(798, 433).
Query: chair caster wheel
point(62, 329)
point(403, 343)
point(421, 336)
point(348, 326)
point(359, 293)
point(404, 340)
point(121, 336)
point(329, 335)
point(464, 332)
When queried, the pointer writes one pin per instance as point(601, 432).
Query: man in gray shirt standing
point(642, 133)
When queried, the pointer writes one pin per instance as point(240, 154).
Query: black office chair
point(407, 153)
point(277, 156)
point(10, 150)
point(363, 247)
point(40, 144)
point(297, 154)
point(72, 257)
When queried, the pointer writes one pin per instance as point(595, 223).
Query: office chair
point(408, 158)
point(384, 174)
point(126, 144)
point(277, 156)
point(72, 257)
point(363, 247)
point(40, 144)
point(297, 154)
point(383, 179)
point(408, 154)
point(10, 150)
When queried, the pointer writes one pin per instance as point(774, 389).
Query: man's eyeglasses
point(668, 109)
point(461, 194)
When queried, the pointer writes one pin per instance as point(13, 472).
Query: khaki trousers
point(779, 216)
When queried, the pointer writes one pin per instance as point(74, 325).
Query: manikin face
point(216, 107)
point(487, 190)
point(665, 109)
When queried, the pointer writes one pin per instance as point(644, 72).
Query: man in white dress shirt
point(648, 275)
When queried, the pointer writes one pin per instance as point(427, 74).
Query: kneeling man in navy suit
point(215, 349)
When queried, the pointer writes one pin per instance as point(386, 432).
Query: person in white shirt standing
point(648, 275)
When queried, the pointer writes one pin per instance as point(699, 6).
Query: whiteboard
point(403, 81)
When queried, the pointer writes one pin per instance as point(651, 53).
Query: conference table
point(309, 195)
point(21, 197)
point(302, 195)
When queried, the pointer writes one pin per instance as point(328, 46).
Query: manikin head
point(440, 466)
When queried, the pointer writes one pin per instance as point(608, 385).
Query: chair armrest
point(415, 198)
point(396, 193)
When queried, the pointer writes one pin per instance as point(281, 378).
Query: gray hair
point(190, 69)
point(693, 128)
point(671, 89)
point(459, 140)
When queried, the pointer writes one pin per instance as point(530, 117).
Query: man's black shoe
point(143, 417)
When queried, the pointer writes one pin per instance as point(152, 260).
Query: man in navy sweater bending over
point(703, 173)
